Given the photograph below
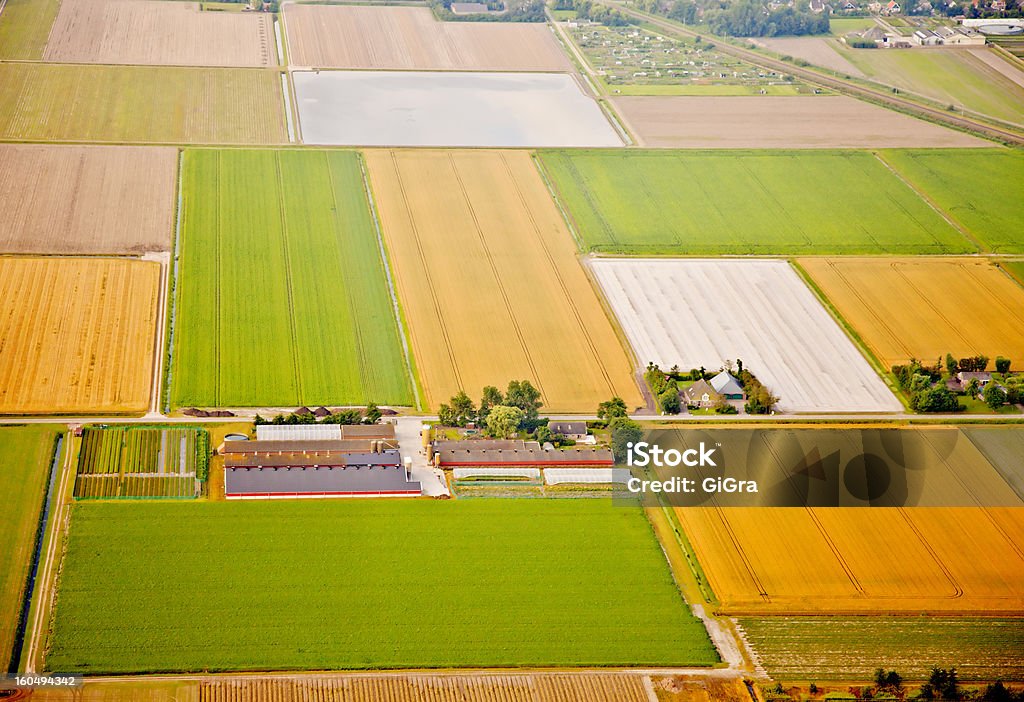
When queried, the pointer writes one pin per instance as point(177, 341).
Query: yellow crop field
point(835, 560)
point(925, 308)
point(76, 334)
point(489, 281)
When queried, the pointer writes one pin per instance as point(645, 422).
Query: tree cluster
point(665, 388)
point(760, 400)
point(942, 685)
point(918, 382)
point(520, 395)
point(595, 12)
point(528, 11)
point(749, 18)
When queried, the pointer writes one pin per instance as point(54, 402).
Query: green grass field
point(742, 202)
point(838, 648)
point(1015, 268)
point(978, 188)
point(50, 102)
point(282, 297)
point(838, 26)
point(25, 27)
point(950, 77)
point(25, 456)
point(367, 584)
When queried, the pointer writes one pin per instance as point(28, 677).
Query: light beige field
point(765, 121)
point(86, 199)
point(489, 281)
point(355, 36)
point(925, 308)
point(76, 334)
point(817, 50)
point(144, 32)
point(792, 560)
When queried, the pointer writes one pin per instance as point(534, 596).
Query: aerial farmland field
point(160, 104)
point(986, 203)
point(1015, 268)
point(1003, 447)
point(924, 309)
point(389, 584)
point(831, 648)
point(418, 108)
point(855, 560)
point(702, 313)
point(411, 38)
point(282, 296)
point(86, 199)
point(953, 76)
point(823, 122)
point(489, 281)
point(24, 28)
point(25, 454)
point(744, 202)
point(144, 32)
point(77, 334)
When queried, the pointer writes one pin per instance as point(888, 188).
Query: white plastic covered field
point(693, 312)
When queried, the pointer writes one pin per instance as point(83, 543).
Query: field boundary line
point(358, 332)
point(282, 210)
point(173, 290)
point(555, 195)
point(895, 265)
point(851, 333)
point(496, 273)
point(997, 301)
point(557, 274)
point(47, 590)
point(414, 230)
point(403, 332)
point(964, 231)
point(931, 552)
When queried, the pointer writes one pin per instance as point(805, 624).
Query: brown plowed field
point(89, 199)
point(569, 687)
point(76, 335)
point(925, 308)
point(765, 121)
point(791, 560)
point(489, 281)
point(411, 38)
point(143, 32)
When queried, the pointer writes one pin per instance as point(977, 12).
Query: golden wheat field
point(76, 334)
point(965, 560)
point(144, 32)
point(86, 199)
point(925, 308)
point(489, 281)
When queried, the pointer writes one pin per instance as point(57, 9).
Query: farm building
point(337, 445)
point(727, 386)
point(314, 432)
point(359, 465)
point(471, 453)
point(570, 430)
point(296, 474)
point(701, 394)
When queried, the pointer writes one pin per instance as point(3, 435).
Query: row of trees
point(370, 415)
point(523, 11)
point(943, 685)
